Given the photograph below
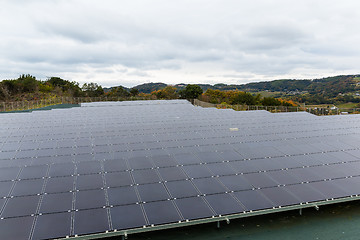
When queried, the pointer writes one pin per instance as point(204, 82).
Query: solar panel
point(126, 167)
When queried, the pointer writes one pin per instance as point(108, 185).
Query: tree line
point(27, 87)
point(234, 97)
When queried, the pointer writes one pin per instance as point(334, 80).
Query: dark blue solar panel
point(80, 171)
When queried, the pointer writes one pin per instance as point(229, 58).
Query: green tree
point(28, 82)
point(119, 92)
point(270, 101)
point(134, 92)
point(191, 91)
point(245, 98)
point(72, 88)
point(92, 89)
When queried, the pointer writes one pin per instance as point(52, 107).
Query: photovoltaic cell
point(154, 208)
point(61, 169)
point(122, 196)
point(85, 182)
point(221, 169)
point(125, 165)
point(280, 196)
point(33, 172)
point(88, 167)
point(21, 206)
point(305, 193)
point(328, 189)
point(140, 163)
point(115, 165)
point(118, 179)
point(180, 189)
point(164, 161)
point(91, 221)
point(60, 202)
point(260, 180)
point(28, 187)
point(7, 174)
point(152, 192)
point(282, 177)
point(209, 185)
point(235, 182)
point(145, 176)
point(224, 204)
point(97, 197)
point(350, 185)
point(5, 188)
point(130, 216)
point(59, 184)
point(9, 228)
point(193, 208)
point(171, 174)
point(186, 158)
point(59, 223)
point(253, 200)
point(197, 171)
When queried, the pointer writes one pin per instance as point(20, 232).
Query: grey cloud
point(131, 41)
point(138, 73)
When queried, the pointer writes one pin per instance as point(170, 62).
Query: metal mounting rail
point(220, 218)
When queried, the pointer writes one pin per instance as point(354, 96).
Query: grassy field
point(343, 105)
point(347, 105)
point(267, 94)
point(321, 106)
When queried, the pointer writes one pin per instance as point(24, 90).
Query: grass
point(347, 105)
point(320, 106)
point(267, 94)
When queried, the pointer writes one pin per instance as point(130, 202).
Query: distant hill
point(106, 90)
point(330, 86)
point(150, 87)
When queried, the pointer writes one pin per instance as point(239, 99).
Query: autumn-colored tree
point(234, 97)
point(168, 92)
point(231, 97)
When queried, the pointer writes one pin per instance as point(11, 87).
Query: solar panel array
point(124, 165)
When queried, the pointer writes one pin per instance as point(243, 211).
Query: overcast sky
point(129, 42)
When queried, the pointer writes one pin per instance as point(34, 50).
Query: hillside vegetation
point(330, 90)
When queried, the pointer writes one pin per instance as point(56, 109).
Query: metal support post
point(300, 211)
point(316, 207)
point(218, 224)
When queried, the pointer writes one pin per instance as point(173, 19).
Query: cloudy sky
point(129, 42)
